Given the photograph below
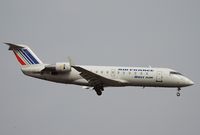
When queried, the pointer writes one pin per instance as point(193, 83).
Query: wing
point(95, 79)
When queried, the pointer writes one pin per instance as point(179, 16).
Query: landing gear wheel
point(99, 89)
point(178, 94)
point(99, 92)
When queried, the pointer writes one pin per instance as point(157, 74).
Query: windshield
point(175, 73)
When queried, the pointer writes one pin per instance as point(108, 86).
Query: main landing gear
point(99, 90)
point(178, 94)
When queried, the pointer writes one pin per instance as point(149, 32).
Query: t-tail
point(24, 55)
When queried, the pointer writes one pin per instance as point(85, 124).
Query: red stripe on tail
point(19, 59)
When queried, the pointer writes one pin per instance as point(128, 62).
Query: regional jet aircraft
point(97, 77)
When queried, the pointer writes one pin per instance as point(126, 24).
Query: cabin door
point(159, 76)
point(113, 73)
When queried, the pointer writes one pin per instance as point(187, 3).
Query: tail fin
point(24, 54)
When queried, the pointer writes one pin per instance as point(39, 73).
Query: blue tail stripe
point(25, 55)
point(30, 56)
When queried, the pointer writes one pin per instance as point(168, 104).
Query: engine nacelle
point(63, 67)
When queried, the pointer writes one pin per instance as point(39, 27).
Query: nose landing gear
point(178, 94)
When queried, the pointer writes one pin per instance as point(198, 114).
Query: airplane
point(97, 77)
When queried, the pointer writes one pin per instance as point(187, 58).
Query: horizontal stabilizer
point(14, 46)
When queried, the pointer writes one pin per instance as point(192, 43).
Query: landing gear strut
point(178, 93)
point(99, 90)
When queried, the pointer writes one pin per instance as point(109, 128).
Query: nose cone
point(188, 82)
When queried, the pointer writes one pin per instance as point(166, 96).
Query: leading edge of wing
point(95, 79)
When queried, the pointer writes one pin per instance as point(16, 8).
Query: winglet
point(71, 63)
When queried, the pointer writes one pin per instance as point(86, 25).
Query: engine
point(63, 67)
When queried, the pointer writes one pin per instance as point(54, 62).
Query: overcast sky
point(160, 33)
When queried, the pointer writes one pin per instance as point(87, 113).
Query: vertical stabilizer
point(24, 54)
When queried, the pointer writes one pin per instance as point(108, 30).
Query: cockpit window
point(175, 73)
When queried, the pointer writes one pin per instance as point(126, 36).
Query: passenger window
point(123, 73)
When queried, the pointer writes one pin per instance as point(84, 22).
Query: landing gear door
point(159, 76)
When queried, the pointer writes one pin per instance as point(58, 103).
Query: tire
point(178, 94)
point(99, 93)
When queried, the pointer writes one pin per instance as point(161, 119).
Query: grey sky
point(104, 32)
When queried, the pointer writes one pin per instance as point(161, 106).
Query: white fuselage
point(96, 77)
point(128, 76)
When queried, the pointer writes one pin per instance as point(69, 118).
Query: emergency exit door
point(159, 76)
